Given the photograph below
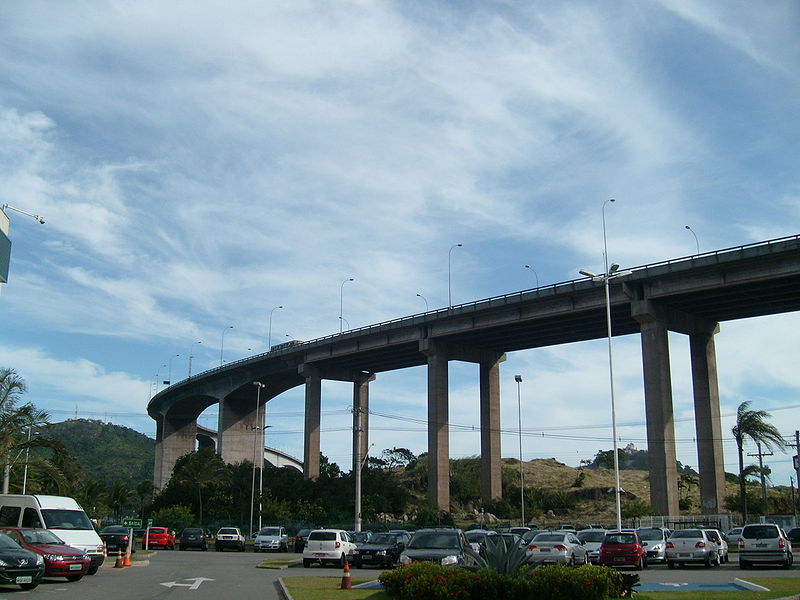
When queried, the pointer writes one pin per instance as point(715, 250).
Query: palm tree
point(15, 423)
point(119, 496)
point(144, 490)
point(752, 424)
point(203, 468)
point(11, 386)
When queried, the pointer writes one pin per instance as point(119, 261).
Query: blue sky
point(200, 163)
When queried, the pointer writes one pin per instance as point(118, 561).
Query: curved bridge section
point(689, 295)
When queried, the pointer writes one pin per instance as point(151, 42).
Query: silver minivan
point(271, 538)
point(764, 543)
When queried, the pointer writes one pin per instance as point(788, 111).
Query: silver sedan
point(691, 546)
point(557, 547)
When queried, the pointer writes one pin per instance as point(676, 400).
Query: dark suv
point(193, 537)
point(382, 550)
point(764, 543)
point(442, 546)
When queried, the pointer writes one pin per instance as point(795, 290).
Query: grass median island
point(278, 561)
point(325, 588)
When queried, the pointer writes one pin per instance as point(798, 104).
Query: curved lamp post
point(425, 300)
point(696, 241)
point(535, 274)
point(222, 343)
point(269, 334)
point(191, 356)
point(169, 369)
point(256, 429)
point(518, 379)
point(341, 301)
point(449, 269)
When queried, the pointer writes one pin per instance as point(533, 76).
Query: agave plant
point(505, 557)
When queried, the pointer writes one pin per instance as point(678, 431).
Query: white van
point(61, 515)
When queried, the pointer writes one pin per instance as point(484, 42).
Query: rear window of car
point(192, 532)
point(549, 537)
point(650, 534)
point(759, 532)
point(270, 531)
point(619, 538)
point(436, 540)
point(591, 536)
point(228, 531)
point(157, 530)
point(687, 533)
point(322, 536)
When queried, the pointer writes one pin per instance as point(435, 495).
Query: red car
point(623, 548)
point(158, 537)
point(60, 560)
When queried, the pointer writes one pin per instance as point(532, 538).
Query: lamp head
point(587, 273)
point(40, 219)
point(518, 378)
point(687, 227)
point(613, 268)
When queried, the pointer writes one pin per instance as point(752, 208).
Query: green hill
point(107, 452)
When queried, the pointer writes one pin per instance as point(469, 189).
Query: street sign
point(132, 523)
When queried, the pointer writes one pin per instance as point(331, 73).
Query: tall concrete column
point(312, 424)
point(178, 438)
point(360, 422)
point(240, 428)
point(491, 480)
point(438, 433)
point(658, 410)
point(707, 421)
point(158, 466)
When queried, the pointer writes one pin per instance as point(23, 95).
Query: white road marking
point(196, 581)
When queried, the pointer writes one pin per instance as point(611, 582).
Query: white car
point(328, 546)
point(271, 538)
point(229, 537)
point(592, 539)
point(722, 545)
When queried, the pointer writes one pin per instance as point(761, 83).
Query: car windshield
point(687, 533)
point(435, 540)
point(40, 536)
point(66, 519)
point(7, 542)
point(650, 534)
point(759, 532)
point(527, 537)
point(383, 538)
point(270, 531)
point(228, 531)
point(591, 536)
point(549, 537)
point(620, 538)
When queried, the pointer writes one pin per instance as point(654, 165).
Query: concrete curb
point(278, 567)
point(282, 591)
point(750, 586)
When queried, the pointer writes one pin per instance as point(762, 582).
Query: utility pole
point(796, 465)
point(761, 456)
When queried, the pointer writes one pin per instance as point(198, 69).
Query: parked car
point(447, 547)
point(271, 538)
point(382, 550)
point(528, 536)
point(654, 541)
point(794, 536)
point(116, 538)
point(359, 537)
point(512, 539)
point(193, 537)
point(519, 530)
point(591, 540)
point(557, 547)
point(300, 539)
point(686, 546)
point(18, 566)
point(722, 546)
point(328, 546)
point(60, 560)
point(478, 539)
point(158, 537)
point(229, 537)
point(622, 548)
point(764, 543)
point(732, 536)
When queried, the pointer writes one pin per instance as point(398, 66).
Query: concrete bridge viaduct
point(689, 295)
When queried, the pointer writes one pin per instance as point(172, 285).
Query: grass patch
point(780, 587)
point(278, 561)
point(325, 588)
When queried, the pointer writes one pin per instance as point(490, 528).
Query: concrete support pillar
point(239, 430)
point(491, 480)
point(158, 466)
point(177, 438)
point(438, 432)
point(360, 421)
point(312, 424)
point(707, 421)
point(658, 410)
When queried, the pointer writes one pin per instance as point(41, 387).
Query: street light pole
point(269, 334)
point(449, 269)
point(535, 274)
point(518, 379)
point(169, 368)
point(341, 301)
point(191, 356)
point(222, 343)
point(157, 372)
point(259, 387)
point(425, 300)
point(696, 241)
point(27, 452)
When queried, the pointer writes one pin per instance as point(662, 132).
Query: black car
point(193, 537)
point(382, 550)
point(116, 538)
point(794, 536)
point(301, 539)
point(447, 547)
point(18, 566)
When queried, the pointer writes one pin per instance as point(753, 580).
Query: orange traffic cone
point(118, 564)
point(127, 561)
point(346, 583)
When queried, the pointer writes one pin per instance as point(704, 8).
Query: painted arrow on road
point(196, 581)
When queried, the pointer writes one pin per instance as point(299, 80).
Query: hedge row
point(428, 581)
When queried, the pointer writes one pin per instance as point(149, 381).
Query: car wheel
point(646, 562)
point(306, 563)
point(241, 548)
point(255, 549)
point(671, 564)
point(787, 564)
point(74, 577)
point(639, 564)
point(28, 586)
point(204, 548)
point(571, 561)
point(708, 562)
point(92, 570)
point(342, 560)
point(217, 548)
point(357, 564)
point(181, 548)
point(743, 564)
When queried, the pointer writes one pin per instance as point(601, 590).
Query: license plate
point(544, 550)
point(24, 579)
point(319, 554)
point(761, 545)
point(684, 556)
point(75, 567)
point(619, 559)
